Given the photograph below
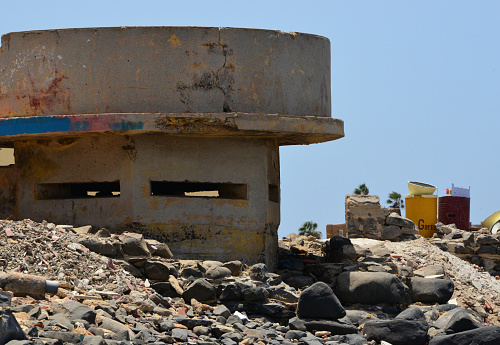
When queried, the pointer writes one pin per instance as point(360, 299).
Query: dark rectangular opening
point(200, 189)
point(274, 193)
point(46, 191)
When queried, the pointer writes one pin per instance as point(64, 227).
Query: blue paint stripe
point(33, 125)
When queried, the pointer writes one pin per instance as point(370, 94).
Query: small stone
point(180, 334)
point(122, 331)
point(234, 266)
point(254, 294)
point(222, 310)
point(218, 272)
point(5, 299)
point(201, 290)
point(9, 328)
point(258, 272)
point(231, 292)
point(133, 244)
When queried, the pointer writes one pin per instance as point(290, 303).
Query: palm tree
point(309, 229)
point(395, 200)
point(362, 190)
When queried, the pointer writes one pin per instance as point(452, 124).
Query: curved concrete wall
point(164, 69)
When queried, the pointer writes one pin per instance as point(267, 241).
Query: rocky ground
point(124, 289)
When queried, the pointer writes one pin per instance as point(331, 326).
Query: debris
point(27, 284)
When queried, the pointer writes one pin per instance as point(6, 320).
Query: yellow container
point(422, 210)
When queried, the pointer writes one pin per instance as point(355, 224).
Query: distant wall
point(365, 217)
point(336, 230)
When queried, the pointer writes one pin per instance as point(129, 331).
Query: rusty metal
point(454, 210)
point(27, 284)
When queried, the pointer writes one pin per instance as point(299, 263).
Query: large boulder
point(431, 290)
point(319, 302)
point(370, 288)
point(396, 331)
point(408, 328)
point(489, 335)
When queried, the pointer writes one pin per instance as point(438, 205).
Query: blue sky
point(417, 84)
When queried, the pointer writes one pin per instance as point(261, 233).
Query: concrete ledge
point(288, 130)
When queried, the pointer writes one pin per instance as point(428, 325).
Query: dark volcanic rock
point(134, 244)
point(336, 327)
point(396, 219)
point(370, 288)
point(295, 334)
point(339, 248)
point(157, 270)
point(218, 272)
point(413, 313)
point(231, 292)
point(201, 290)
point(489, 335)
point(5, 299)
point(463, 320)
point(78, 311)
point(299, 282)
point(254, 294)
point(296, 324)
point(433, 290)
point(9, 328)
point(319, 302)
point(351, 339)
point(397, 331)
point(258, 272)
point(66, 337)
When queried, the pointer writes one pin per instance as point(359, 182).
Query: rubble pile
point(54, 252)
point(480, 248)
point(125, 289)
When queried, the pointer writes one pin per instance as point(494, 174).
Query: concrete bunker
point(172, 131)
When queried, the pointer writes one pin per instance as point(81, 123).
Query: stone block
point(396, 219)
point(390, 232)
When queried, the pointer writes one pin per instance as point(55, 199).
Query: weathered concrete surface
point(8, 191)
point(208, 226)
point(164, 69)
point(117, 127)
